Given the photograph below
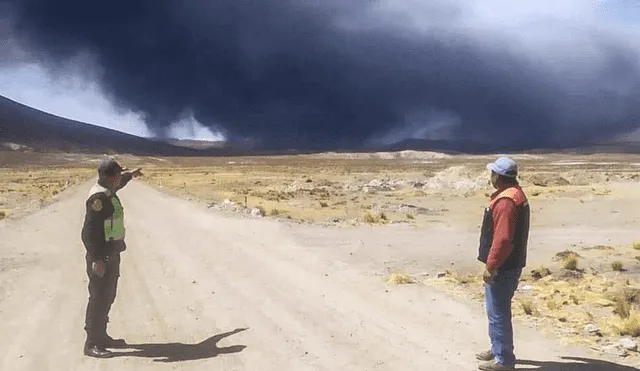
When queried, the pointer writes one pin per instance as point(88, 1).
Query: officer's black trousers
point(102, 293)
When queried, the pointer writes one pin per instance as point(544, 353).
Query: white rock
point(628, 344)
point(591, 329)
point(256, 213)
point(526, 288)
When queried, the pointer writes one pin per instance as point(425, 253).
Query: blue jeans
point(498, 301)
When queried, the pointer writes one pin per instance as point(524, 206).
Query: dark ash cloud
point(292, 73)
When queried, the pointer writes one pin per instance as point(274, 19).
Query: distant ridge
point(39, 131)
point(469, 147)
point(23, 128)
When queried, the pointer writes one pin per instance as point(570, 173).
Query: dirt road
point(199, 291)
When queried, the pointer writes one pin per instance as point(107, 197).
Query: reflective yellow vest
point(114, 229)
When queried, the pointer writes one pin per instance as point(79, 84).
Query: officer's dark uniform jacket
point(103, 237)
point(518, 256)
point(103, 230)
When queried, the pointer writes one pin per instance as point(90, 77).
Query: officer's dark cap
point(109, 167)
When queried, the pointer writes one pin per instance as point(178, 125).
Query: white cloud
point(69, 97)
point(190, 128)
point(76, 98)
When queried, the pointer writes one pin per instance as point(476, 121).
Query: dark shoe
point(97, 352)
point(485, 356)
point(495, 366)
point(110, 342)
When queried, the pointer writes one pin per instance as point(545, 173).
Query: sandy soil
point(202, 291)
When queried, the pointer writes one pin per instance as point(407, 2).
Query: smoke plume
point(336, 73)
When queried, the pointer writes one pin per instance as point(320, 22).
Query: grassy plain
point(590, 283)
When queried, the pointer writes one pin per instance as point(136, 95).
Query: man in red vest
point(503, 250)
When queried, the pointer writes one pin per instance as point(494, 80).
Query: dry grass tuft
point(464, 279)
point(570, 261)
point(372, 218)
point(563, 254)
point(574, 299)
point(630, 326)
point(3, 214)
point(540, 273)
point(617, 266)
point(369, 218)
point(400, 279)
point(622, 306)
point(636, 245)
point(553, 304)
point(528, 307)
point(631, 294)
point(275, 212)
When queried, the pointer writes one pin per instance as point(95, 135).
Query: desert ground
point(320, 262)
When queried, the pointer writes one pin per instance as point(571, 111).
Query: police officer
point(103, 235)
point(503, 250)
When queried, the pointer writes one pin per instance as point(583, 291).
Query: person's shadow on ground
point(575, 364)
point(178, 352)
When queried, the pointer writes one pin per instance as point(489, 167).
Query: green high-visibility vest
point(114, 229)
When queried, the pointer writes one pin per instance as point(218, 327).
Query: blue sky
point(75, 98)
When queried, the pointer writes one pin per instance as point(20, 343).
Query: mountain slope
point(41, 131)
point(23, 127)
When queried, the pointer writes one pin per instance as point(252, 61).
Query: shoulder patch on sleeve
point(96, 205)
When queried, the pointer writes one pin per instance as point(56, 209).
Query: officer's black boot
point(96, 351)
point(107, 341)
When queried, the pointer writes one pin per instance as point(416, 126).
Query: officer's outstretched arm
point(127, 176)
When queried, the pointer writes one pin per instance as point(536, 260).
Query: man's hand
point(98, 268)
point(488, 276)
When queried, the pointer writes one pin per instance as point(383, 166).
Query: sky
point(78, 99)
point(553, 72)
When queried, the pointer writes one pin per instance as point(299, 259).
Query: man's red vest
point(518, 256)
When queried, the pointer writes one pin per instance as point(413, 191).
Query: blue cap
point(504, 166)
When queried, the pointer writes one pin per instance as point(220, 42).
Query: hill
point(23, 128)
point(26, 128)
